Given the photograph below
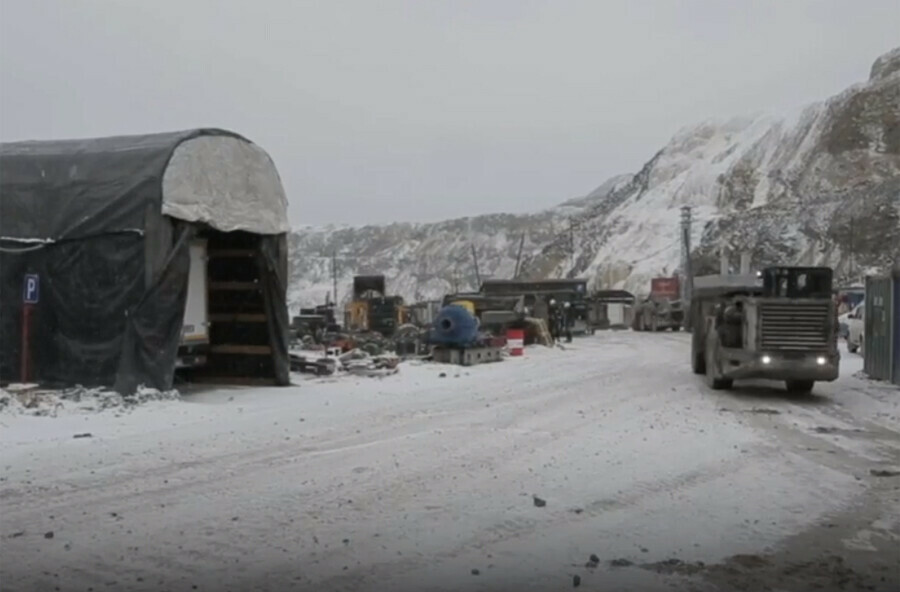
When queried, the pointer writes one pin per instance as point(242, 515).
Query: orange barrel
point(515, 338)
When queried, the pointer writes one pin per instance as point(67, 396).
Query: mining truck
point(780, 324)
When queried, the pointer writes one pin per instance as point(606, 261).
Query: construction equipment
point(372, 310)
point(455, 339)
point(662, 309)
point(780, 324)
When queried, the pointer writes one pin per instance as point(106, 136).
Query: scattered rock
point(346, 541)
point(538, 502)
point(595, 559)
point(884, 473)
point(645, 550)
point(824, 430)
point(577, 510)
point(621, 563)
point(475, 572)
point(763, 411)
point(576, 581)
point(48, 534)
point(749, 561)
point(84, 435)
point(442, 375)
point(672, 562)
point(16, 535)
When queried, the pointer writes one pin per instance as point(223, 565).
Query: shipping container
point(895, 323)
point(881, 337)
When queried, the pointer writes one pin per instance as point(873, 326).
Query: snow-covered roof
point(64, 189)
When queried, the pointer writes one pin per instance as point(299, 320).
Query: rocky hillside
point(822, 188)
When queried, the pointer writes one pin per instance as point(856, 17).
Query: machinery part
point(799, 387)
point(455, 326)
point(698, 362)
point(469, 356)
point(712, 380)
point(795, 325)
point(467, 304)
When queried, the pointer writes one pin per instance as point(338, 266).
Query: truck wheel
point(721, 384)
point(698, 364)
point(799, 387)
point(676, 328)
point(852, 347)
point(654, 324)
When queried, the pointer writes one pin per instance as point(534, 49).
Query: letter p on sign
point(31, 293)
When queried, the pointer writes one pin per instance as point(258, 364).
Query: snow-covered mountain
point(820, 188)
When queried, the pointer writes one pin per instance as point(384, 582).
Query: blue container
point(455, 326)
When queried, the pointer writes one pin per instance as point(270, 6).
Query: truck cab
point(779, 325)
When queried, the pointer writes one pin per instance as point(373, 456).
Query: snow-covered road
point(423, 482)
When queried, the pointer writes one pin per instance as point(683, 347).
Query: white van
point(856, 329)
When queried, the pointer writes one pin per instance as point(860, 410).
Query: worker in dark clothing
point(553, 314)
point(567, 321)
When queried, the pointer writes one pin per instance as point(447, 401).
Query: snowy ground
point(422, 482)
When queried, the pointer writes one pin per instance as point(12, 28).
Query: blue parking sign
point(31, 291)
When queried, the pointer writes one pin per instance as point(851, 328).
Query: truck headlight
point(821, 360)
point(766, 360)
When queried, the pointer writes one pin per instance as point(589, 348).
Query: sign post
point(31, 295)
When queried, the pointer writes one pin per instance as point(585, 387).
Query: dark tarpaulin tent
point(106, 226)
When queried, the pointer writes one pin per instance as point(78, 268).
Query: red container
point(515, 338)
point(667, 287)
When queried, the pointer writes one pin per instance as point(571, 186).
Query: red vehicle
point(662, 309)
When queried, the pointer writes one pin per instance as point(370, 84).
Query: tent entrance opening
point(239, 342)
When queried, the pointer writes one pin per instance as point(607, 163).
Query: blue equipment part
point(453, 325)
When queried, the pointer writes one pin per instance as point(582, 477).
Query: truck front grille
point(794, 326)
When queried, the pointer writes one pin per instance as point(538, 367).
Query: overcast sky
point(383, 110)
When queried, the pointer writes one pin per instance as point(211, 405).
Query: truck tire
point(799, 387)
point(720, 384)
point(676, 328)
point(698, 364)
point(698, 355)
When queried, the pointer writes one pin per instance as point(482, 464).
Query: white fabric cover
point(226, 182)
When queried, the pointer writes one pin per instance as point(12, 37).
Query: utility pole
point(852, 253)
point(477, 274)
point(519, 256)
point(572, 243)
point(687, 269)
point(334, 275)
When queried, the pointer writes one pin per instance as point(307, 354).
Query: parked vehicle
point(662, 309)
point(844, 325)
point(856, 328)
